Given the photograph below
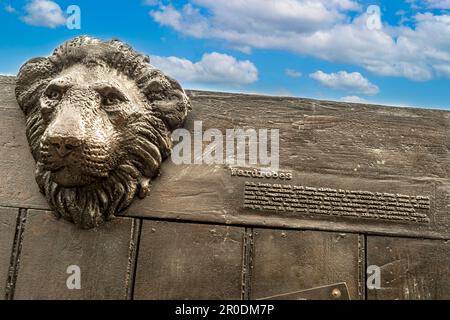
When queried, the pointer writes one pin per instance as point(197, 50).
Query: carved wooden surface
point(194, 237)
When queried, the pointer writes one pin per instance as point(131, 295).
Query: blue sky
point(389, 52)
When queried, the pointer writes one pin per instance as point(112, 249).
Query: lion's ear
point(168, 99)
point(32, 79)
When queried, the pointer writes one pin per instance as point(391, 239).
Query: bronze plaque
point(341, 168)
point(357, 185)
point(367, 169)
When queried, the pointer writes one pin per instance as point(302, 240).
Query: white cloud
point(151, 2)
point(322, 29)
point(229, 17)
point(9, 8)
point(352, 82)
point(293, 73)
point(413, 5)
point(353, 99)
point(217, 68)
point(438, 4)
point(44, 13)
point(443, 70)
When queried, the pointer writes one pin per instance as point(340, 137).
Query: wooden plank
point(51, 245)
point(288, 261)
point(189, 261)
point(411, 269)
point(8, 219)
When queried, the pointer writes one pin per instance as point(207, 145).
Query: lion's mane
point(146, 144)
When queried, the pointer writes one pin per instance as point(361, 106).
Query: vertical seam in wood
point(136, 229)
point(14, 261)
point(247, 263)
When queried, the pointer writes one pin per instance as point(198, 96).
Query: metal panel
point(18, 187)
point(410, 268)
point(337, 291)
point(189, 261)
point(387, 168)
point(290, 261)
point(50, 246)
point(358, 151)
point(8, 219)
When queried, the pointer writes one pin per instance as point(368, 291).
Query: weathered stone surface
point(8, 219)
point(51, 245)
point(411, 269)
point(286, 261)
point(189, 261)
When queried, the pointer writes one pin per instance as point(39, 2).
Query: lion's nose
point(63, 145)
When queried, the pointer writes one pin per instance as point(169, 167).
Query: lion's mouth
point(67, 176)
point(72, 174)
point(74, 170)
point(54, 167)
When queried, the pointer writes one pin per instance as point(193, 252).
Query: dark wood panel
point(50, 245)
point(411, 269)
point(189, 261)
point(8, 219)
point(288, 261)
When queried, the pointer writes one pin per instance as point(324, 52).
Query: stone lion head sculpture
point(98, 122)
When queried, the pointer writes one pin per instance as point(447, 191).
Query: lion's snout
point(75, 150)
point(64, 145)
point(65, 134)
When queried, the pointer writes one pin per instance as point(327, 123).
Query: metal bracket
point(338, 291)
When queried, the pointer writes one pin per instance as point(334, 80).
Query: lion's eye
point(54, 95)
point(111, 100)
